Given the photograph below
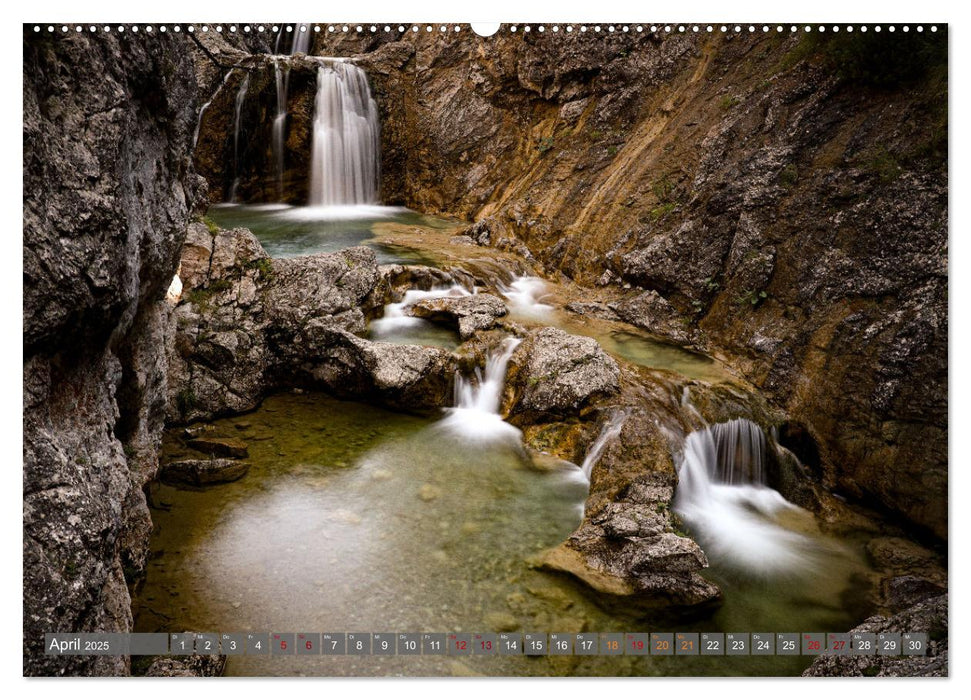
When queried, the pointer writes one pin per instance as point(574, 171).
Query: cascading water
point(475, 415)
point(609, 432)
point(395, 319)
point(344, 163)
point(722, 496)
point(202, 110)
point(240, 99)
point(524, 294)
point(282, 78)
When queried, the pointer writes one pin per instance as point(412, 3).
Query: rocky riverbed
point(720, 228)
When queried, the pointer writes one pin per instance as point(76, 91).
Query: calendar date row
point(489, 644)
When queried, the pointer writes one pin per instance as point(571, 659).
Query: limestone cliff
point(108, 189)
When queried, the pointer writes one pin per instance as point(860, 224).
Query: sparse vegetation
point(544, 144)
point(752, 297)
point(728, 101)
point(789, 176)
point(263, 265)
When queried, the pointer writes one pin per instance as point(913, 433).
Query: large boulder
point(629, 555)
point(555, 374)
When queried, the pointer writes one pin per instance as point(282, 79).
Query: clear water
point(287, 232)
point(353, 518)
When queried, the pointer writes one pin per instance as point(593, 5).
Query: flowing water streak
point(722, 495)
point(282, 79)
point(395, 317)
point(524, 294)
point(609, 432)
point(202, 110)
point(475, 415)
point(344, 166)
point(240, 99)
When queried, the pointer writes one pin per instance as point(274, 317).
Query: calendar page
point(438, 349)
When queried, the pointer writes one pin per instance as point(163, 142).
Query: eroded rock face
point(555, 374)
point(108, 122)
point(248, 325)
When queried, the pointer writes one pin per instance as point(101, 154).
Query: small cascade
point(202, 110)
point(240, 99)
point(608, 433)
point(524, 294)
point(282, 76)
point(344, 168)
point(723, 497)
point(475, 415)
point(395, 318)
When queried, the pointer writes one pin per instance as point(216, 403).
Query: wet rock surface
point(477, 312)
point(251, 325)
point(629, 554)
point(108, 122)
point(202, 472)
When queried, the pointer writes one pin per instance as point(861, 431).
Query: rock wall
point(778, 200)
point(108, 189)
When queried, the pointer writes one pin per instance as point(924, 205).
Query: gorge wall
point(777, 200)
point(108, 191)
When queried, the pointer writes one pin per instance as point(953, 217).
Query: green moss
point(612, 151)
point(789, 176)
point(595, 135)
point(185, 401)
point(659, 212)
point(544, 144)
point(662, 189)
point(211, 225)
point(885, 166)
point(264, 266)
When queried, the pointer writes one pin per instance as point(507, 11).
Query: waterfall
point(344, 163)
point(282, 77)
point(395, 318)
point(300, 42)
point(240, 98)
point(524, 294)
point(475, 415)
point(609, 432)
point(202, 110)
point(722, 496)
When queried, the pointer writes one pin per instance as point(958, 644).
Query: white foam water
point(395, 317)
point(524, 295)
point(722, 496)
point(609, 432)
point(344, 164)
point(475, 416)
